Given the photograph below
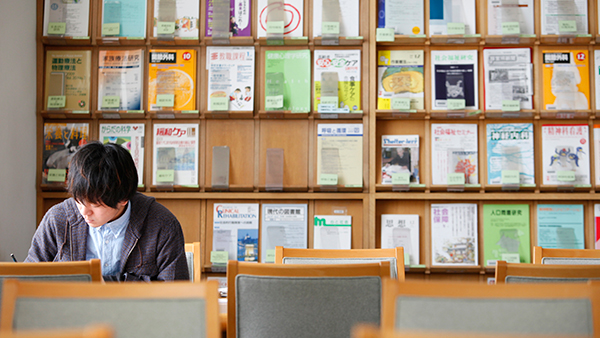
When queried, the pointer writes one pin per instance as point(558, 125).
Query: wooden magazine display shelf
point(251, 137)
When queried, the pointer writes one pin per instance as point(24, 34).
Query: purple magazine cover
point(240, 23)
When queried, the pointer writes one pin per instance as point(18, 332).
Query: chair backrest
point(316, 300)
point(144, 310)
point(353, 256)
point(369, 331)
point(539, 273)
point(92, 331)
point(192, 254)
point(78, 271)
point(566, 256)
point(538, 309)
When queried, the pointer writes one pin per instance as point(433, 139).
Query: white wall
point(17, 127)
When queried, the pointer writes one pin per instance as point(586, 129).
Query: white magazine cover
point(131, 137)
point(231, 75)
point(454, 234)
point(442, 12)
point(508, 76)
point(597, 76)
point(121, 73)
point(346, 63)
point(565, 147)
point(553, 12)
point(597, 152)
point(454, 76)
point(283, 225)
point(235, 230)
point(348, 16)
point(454, 150)
point(175, 150)
point(597, 226)
point(75, 15)
point(520, 11)
point(186, 17)
point(399, 154)
point(332, 232)
point(406, 17)
point(401, 231)
point(293, 25)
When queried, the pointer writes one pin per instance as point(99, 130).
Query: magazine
point(406, 17)
point(120, 79)
point(339, 153)
point(131, 137)
point(346, 63)
point(443, 12)
point(183, 12)
point(283, 225)
point(172, 72)
point(61, 141)
point(74, 15)
point(454, 150)
point(454, 234)
point(235, 230)
point(126, 18)
point(293, 26)
point(565, 148)
point(401, 231)
point(67, 75)
point(399, 154)
point(566, 79)
point(287, 77)
point(560, 226)
point(508, 76)
point(520, 11)
point(555, 12)
point(454, 76)
point(506, 233)
point(400, 75)
point(510, 147)
point(240, 18)
point(332, 232)
point(231, 76)
point(349, 17)
point(175, 154)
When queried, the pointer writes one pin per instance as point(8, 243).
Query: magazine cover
point(406, 17)
point(442, 12)
point(175, 159)
point(287, 76)
point(510, 147)
point(454, 76)
point(231, 76)
point(294, 18)
point(506, 233)
point(560, 226)
point(348, 12)
point(75, 16)
point(185, 13)
point(597, 226)
point(454, 234)
point(172, 72)
point(332, 232)
point(120, 77)
point(597, 153)
point(61, 141)
point(400, 75)
point(68, 74)
point(282, 225)
point(520, 11)
point(339, 153)
point(565, 148)
point(131, 137)
point(401, 231)
point(454, 150)
point(399, 154)
point(235, 230)
point(129, 17)
point(346, 63)
point(566, 79)
point(508, 76)
point(553, 12)
point(240, 18)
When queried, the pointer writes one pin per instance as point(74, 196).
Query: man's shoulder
point(62, 210)
point(151, 209)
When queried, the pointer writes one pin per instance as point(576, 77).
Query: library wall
point(252, 135)
point(18, 132)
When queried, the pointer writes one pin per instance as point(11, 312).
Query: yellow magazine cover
point(172, 72)
point(68, 77)
point(566, 79)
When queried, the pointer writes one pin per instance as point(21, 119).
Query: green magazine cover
point(295, 67)
point(506, 233)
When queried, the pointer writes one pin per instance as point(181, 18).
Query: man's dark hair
point(102, 174)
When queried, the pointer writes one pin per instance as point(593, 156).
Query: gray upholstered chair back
point(498, 316)
point(131, 318)
point(570, 261)
point(305, 306)
point(357, 260)
point(531, 279)
point(190, 263)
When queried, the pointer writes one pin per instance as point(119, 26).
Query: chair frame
point(14, 289)
point(539, 253)
point(92, 267)
point(194, 248)
point(392, 289)
point(234, 268)
point(504, 269)
point(92, 331)
point(398, 253)
point(369, 331)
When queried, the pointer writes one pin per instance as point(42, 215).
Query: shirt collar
point(115, 227)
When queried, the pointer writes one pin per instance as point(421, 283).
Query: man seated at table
point(135, 237)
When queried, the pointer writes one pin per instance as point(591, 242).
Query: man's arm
point(171, 260)
point(44, 245)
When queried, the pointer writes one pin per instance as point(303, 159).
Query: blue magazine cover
point(510, 147)
point(560, 226)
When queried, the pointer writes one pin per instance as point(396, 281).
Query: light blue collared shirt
point(105, 243)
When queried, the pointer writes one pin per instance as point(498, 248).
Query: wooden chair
point(274, 300)
point(566, 256)
point(176, 309)
point(539, 273)
point(96, 331)
point(353, 256)
point(192, 254)
point(529, 309)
